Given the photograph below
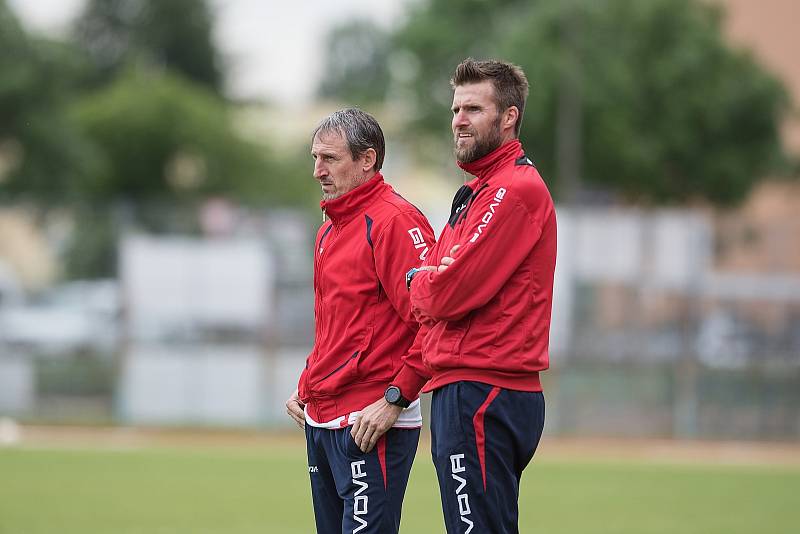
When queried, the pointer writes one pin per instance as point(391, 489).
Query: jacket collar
point(342, 209)
point(486, 166)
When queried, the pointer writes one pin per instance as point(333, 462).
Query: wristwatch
point(393, 395)
point(410, 276)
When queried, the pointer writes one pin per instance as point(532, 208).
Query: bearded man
point(484, 297)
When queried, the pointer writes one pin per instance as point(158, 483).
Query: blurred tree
point(167, 145)
point(41, 150)
point(642, 98)
point(174, 35)
point(165, 138)
point(669, 112)
point(356, 66)
point(146, 140)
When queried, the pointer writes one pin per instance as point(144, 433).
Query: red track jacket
point(489, 312)
point(363, 321)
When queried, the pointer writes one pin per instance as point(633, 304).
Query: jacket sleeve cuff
point(409, 382)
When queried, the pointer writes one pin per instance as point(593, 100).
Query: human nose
point(460, 120)
point(319, 169)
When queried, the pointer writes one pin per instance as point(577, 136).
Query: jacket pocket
point(351, 449)
point(345, 373)
point(442, 346)
point(342, 366)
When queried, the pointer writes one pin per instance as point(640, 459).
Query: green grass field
point(249, 490)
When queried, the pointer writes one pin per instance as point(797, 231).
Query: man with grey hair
point(360, 450)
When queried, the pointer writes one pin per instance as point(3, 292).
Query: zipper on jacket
point(340, 367)
point(325, 243)
point(317, 291)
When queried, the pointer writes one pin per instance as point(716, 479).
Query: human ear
point(510, 117)
point(368, 159)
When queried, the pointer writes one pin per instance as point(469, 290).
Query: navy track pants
point(357, 493)
point(483, 437)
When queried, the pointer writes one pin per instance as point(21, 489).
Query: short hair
point(509, 81)
point(359, 128)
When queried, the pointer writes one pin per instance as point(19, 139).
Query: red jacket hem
point(503, 379)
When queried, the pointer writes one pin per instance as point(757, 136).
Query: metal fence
point(648, 338)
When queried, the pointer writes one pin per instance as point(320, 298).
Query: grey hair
point(359, 128)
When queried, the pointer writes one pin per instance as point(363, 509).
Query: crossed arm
point(377, 418)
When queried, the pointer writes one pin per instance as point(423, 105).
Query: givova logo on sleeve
point(498, 198)
point(419, 241)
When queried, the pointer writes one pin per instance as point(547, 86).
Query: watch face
point(392, 395)
point(410, 276)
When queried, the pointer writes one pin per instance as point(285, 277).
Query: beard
point(482, 144)
point(345, 186)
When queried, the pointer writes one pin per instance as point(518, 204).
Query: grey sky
point(273, 48)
